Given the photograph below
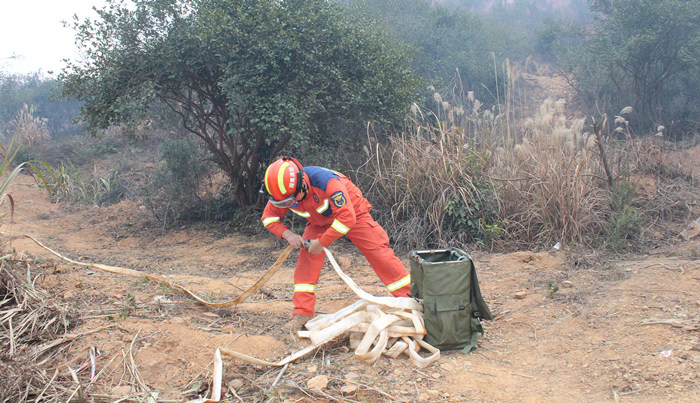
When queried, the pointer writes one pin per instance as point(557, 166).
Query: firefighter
point(333, 207)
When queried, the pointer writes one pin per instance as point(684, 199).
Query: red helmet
point(283, 179)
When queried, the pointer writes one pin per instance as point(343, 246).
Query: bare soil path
point(568, 327)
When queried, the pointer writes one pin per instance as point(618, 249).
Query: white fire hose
point(376, 325)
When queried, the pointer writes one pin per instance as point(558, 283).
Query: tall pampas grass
point(462, 173)
point(426, 181)
point(552, 193)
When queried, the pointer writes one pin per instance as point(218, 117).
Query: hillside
point(611, 330)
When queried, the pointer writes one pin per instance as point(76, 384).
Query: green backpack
point(445, 280)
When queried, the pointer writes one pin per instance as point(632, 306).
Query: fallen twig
point(38, 398)
point(665, 266)
point(279, 375)
point(671, 322)
point(38, 351)
point(501, 315)
point(135, 373)
point(366, 386)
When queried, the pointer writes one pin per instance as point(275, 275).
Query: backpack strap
point(479, 307)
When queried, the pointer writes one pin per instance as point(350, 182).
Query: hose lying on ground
point(135, 273)
point(377, 325)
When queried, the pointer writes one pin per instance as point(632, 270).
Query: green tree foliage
point(643, 53)
point(442, 40)
point(250, 78)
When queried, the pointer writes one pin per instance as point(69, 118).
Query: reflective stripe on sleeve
point(270, 220)
point(340, 227)
point(324, 207)
point(398, 284)
point(304, 288)
point(301, 213)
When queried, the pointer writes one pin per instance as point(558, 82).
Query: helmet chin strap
point(304, 190)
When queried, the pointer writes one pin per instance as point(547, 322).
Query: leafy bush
point(623, 228)
point(624, 224)
point(249, 78)
point(175, 192)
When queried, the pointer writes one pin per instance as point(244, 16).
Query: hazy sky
point(32, 37)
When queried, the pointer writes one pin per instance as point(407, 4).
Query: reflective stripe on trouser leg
point(306, 276)
point(396, 285)
point(371, 239)
point(304, 288)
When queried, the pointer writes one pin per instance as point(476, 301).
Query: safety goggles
point(287, 202)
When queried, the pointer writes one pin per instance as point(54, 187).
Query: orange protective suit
point(333, 206)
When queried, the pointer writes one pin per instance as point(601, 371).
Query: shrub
point(623, 228)
point(175, 192)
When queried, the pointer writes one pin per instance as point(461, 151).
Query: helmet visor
point(287, 202)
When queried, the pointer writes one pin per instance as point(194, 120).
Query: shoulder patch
point(338, 199)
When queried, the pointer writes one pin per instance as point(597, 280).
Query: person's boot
point(291, 328)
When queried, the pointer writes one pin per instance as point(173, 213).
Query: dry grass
point(553, 192)
point(462, 174)
point(465, 180)
point(427, 181)
point(32, 326)
point(30, 129)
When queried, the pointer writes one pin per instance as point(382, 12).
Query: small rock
point(121, 391)
point(312, 369)
point(235, 384)
point(423, 397)
point(692, 230)
point(520, 295)
point(317, 382)
point(352, 376)
point(348, 389)
point(567, 284)
point(433, 394)
point(343, 262)
point(663, 384)
point(436, 375)
point(67, 295)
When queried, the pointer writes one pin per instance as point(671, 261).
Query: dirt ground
point(568, 325)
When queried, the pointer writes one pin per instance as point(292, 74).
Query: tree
point(441, 39)
point(250, 78)
point(642, 53)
